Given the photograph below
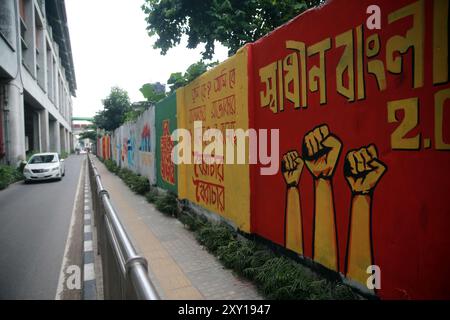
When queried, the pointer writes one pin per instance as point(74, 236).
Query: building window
point(24, 34)
point(50, 89)
point(40, 47)
point(6, 22)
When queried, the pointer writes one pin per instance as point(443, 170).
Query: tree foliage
point(230, 22)
point(137, 109)
point(178, 79)
point(92, 135)
point(116, 105)
point(153, 92)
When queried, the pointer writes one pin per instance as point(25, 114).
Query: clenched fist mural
point(362, 117)
point(362, 170)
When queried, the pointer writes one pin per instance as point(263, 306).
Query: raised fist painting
point(363, 170)
point(321, 151)
point(291, 167)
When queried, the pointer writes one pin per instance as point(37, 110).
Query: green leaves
point(153, 92)
point(111, 166)
point(230, 22)
point(195, 70)
point(176, 80)
point(137, 183)
point(92, 135)
point(277, 277)
point(9, 175)
point(116, 105)
point(167, 203)
point(152, 195)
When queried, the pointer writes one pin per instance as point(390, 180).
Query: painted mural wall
point(364, 142)
point(132, 145)
point(146, 142)
point(364, 161)
point(165, 124)
point(219, 99)
point(103, 147)
point(114, 149)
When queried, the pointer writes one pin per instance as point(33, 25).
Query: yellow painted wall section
point(218, 98)
point(181, 115)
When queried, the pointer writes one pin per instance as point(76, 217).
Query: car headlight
point(26, 170)
point(55, 169)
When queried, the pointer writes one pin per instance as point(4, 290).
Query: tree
point(230, 22)
point(195, 70)
point(116, 105)
point(88, 135)
point(153, 92)
point(137, 108)
point(176, 80)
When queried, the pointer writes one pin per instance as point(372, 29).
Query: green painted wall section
point(166, 123)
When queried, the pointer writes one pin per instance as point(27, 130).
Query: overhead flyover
point(82, 119)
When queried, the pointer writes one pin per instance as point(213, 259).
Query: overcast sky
point(110, 47)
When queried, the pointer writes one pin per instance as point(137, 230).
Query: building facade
point(37, 79)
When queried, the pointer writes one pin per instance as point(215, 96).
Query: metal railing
point(125, 273)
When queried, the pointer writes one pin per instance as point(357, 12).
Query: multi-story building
point(37, 79)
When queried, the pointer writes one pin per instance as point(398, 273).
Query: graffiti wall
point(364, 142)
point(218, 99)
point(118, 146)
point(132, 145)
point(107, 147)
point(145, 147)
point(114, 150)
point(103, 147)
point(165, 124)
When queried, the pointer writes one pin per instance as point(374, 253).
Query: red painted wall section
point(399, 112)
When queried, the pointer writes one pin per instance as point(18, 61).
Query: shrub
point(256, 260)
point(214, 235)
point(167, 203)
point(111, 166)
point(152, 195)
point(137, 183)
point(283, 278)
point(193, 222)
point(9, 175)
point(276, 277)
point(126, 175)
point(236, 255)
point(140, 184)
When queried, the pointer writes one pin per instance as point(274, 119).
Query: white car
point(44, 166)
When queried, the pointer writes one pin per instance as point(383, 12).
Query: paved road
point(34, 224)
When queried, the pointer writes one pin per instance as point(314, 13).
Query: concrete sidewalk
point(178, 265)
